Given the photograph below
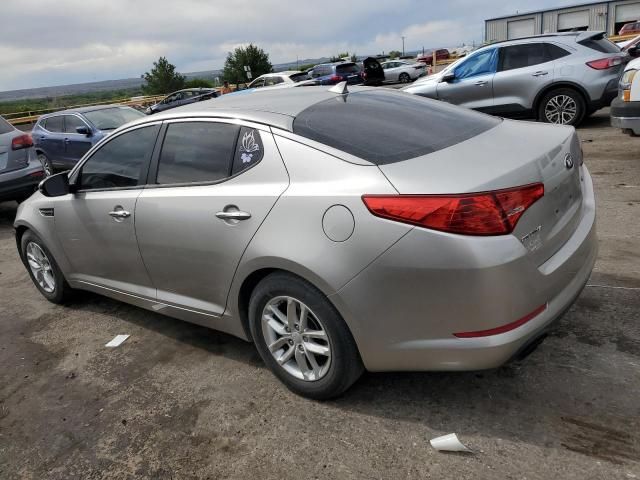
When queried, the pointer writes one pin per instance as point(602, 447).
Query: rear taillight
point(485, 213)
point(604, 63)
point(23, 141)
point(503, 328)
point(335, 78)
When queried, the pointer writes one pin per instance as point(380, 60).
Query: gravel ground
point(178, 401)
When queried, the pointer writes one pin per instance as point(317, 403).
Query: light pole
point(403, 46)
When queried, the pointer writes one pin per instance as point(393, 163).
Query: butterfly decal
point(248, 145)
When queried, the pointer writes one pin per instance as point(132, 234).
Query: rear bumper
point(20, 183)
point(404, 308)
point(626, 115)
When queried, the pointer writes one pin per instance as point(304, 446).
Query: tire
point(404, 78)
point(336, 371)
point(60, 291)
point(563, 106)
point(46, 164)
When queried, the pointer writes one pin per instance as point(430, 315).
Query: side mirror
point(448, 77)
point(633, 51)
point(84, 131)
point(55, 185)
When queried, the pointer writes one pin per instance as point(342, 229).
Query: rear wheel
point(302, 338)
point(43, 269)
point(404, 78)
point(46, 164)
point(563, 106)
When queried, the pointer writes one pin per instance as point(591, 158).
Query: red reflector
point(504, 328)
point(23, 141)
point(485, 213)
point(604, 63)
point(37, 174)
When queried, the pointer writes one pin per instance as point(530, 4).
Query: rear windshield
point(601, 45)
point(5, 127)
point(388, 127)
point(112, 118)
point(299, 77)
point(348, 68)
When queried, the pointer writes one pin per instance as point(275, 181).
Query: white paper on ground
point(449, 443)
point(117, 341)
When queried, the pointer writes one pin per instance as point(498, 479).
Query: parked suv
point(182, 97)
point(625, 110)
point(558, 78)
point(62, 138)
point(20, 170)
point(333, 73)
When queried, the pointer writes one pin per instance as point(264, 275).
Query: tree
point(253, 57)
point(394, 54)
point(198, 83)
point(162, 78)
point(339, 57)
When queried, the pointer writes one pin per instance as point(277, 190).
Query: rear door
point(76, 144)
point(214, 184)
point(523, 71)
point(472, 85)
point(52, 140)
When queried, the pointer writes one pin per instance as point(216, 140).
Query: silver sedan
point(401, 71)
point(337, 230)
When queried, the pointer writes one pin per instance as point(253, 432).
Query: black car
point(182, 97)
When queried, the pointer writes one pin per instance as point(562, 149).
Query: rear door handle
point(539, 74)
point(234, 215)
point(119, 214)
point(481, 83)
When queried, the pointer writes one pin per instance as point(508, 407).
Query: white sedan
point(401, 71)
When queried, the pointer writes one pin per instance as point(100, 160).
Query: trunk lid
point(510, 155)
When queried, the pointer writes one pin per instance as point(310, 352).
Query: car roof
point(81, 110)
point(277, 108)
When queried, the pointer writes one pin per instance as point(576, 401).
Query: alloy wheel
point(561, 109)
point(46, 165)
point(40, 267)
point(296, 338)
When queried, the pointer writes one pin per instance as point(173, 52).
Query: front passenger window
point(119, 162)
point(481, 63)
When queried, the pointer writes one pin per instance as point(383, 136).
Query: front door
point(96, 224)
point(76, 144)
point(472, 84)
point(215, 184)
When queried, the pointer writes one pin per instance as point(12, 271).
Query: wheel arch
point(558, 85)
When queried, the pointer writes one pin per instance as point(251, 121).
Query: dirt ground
point(177, 401)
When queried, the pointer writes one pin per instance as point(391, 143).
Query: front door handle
point(481, 83)
point(119, 214)
point(539, 74)
point(233, 215)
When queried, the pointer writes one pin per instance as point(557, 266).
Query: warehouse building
point(605, 16)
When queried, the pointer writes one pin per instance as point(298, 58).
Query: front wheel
point(404, 78)
point(562, 106)
point(43, 269)
point(302, 338)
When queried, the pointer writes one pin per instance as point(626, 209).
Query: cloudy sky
point(55, 42)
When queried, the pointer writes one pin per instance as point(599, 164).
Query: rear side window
point(54, 124)
point(555, 52)
point(197, 152)
point(5, 127)
point(388, 127)
point(299, 77)
point(601, 45)
point(347, 68)
point(519, 56)
point(249, 150)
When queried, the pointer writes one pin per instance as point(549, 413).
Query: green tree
point(339, 57)
point(394, 54)
point(253, 57)
point(162, 78)
point(198, 83)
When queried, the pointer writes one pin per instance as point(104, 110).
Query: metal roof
point(534, 12)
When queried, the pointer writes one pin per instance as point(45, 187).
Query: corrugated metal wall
point(601, 17)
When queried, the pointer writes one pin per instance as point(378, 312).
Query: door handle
point(66, 140)
point(481, 83)
point(539, 74)
point(233, 215)
point(119, 214)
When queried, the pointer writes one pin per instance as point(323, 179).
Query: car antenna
point(340, 88)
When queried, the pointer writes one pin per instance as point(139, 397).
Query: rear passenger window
point(54, 124)
point(197, 152)
point(249, 150)
point(520, 56)
point(555, 52)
